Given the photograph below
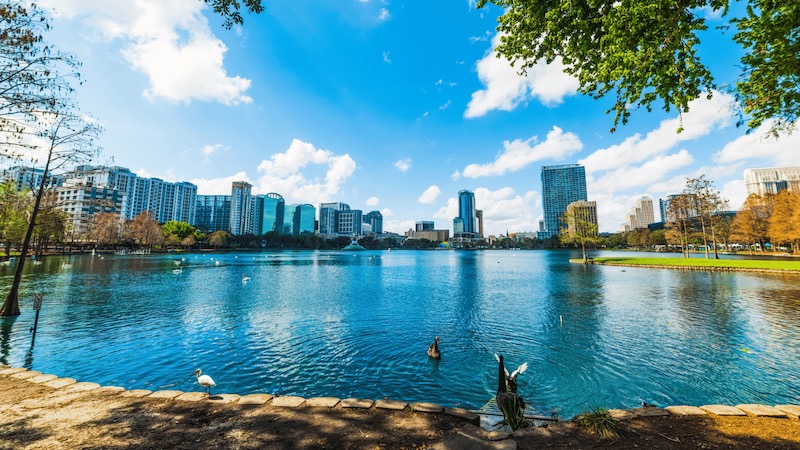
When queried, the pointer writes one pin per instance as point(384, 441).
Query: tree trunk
point(11, 304)
point(705, 235)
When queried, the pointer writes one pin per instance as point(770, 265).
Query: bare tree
point(706, 202)
point(70, 139)
point(39, 121)
point(106, 228)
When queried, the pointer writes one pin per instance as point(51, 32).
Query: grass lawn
point(702, 262)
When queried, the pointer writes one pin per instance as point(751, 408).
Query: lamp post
point(37, 305)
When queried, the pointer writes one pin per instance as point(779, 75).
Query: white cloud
point(386, 212)
point(455, 176)
point(505, 89)
point(384, 15)
point(403, 165)
point(372, 201)
point(430, 195)
point(398, 226)
point(209, 150)
point(446, 105)
point(170, 42)
point(218, 186)
point(735, 192)
point(386, 57)
point(761, 144)
point(518, 154)
point(633, 176)
point(282, 173)
point(703, 117)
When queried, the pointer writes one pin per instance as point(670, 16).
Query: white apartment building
point(771, 180)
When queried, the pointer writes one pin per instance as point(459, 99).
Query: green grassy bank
point(700, 263)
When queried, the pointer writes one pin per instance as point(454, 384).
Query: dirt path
point(35, 416)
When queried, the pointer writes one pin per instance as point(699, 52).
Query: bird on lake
point(245, 278)
point(433, 350)
point(508, 402)
point(511, 379)
point(204, 380)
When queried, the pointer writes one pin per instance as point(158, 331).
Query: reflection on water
point(358, 325)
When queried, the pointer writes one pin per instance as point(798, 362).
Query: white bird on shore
point(204, 380)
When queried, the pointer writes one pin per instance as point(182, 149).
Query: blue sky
point(385, 105)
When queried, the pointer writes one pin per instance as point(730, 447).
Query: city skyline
point(322, 102)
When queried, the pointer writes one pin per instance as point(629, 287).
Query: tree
point(145, 230)
point(180, 230)
point(188, 242)
point(39, 120)
point(51, 224)
point(229, 10)
point(679, 223)
point(106, 228)
point(751, 222)
point(218, 238)
point(705, 202)
point(784, 224)
point(643, 52)
point(14, 213)
point(581, 230)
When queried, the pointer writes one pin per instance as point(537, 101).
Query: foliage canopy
point(643, 51)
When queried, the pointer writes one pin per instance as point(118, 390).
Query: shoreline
point(290, 401)
point(716, 265)
point(44, 411)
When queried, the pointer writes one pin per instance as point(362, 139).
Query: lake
point(326, 323)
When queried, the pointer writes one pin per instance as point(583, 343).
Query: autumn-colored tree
point(106, 228)
point(188, 242)
point(751, 222)
point(784, 224)
point(145, 230)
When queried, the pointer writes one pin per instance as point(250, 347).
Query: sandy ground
point(34, 416)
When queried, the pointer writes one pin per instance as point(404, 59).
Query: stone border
point(294, 402)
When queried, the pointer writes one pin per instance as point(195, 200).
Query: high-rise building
point(771, 180)
point(302, 218)
point(466, 212)
point(375, 221)
point(257, 214)
point(561, 185)
point(424, 225)
point(458, 226)
point(479, 219)
point(349, 222)
point(582, 213)
point(81, 202)
point(329, 217)
point(274, 213)
point(663, 207)
point(28, 178)
point(241, 206)
point(165, 200)
point(640, 216)
point(213, 213)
